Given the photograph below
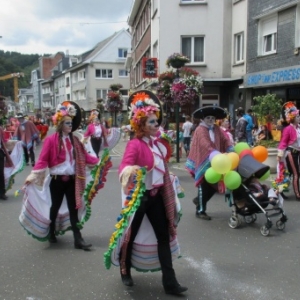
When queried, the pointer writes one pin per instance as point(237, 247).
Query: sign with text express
point(287, 75)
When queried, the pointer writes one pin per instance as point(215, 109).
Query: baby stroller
point(244, 203)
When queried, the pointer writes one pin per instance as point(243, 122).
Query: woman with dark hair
point(96, 132)
point(148, 220)
point(60, 206)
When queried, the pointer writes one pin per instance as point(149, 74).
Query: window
point(193, 48)
point(122, 53)
point(267, 35)
point(103, 73)
point(238, 47)
point(67, 81)
point(101, 94)
point(82, 95)
point(81, 75)
point(123, 73)
point(74, 78)
point(270, 43)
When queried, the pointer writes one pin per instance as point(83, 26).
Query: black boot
point(126, 278)
point(51, 237)
point(172, 287)
point(79, 242)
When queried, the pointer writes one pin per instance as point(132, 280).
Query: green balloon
point(212, 176)
point(265, 176)
point(239, 147)
point(232, 180)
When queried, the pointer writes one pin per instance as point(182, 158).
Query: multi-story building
point(211, 33)
point(98, 68)
point(273, 49)
point(26, 101)
point(43, 72)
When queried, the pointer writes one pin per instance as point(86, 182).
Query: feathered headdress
point(289, 111)
point(142, 104)
point(70, 109)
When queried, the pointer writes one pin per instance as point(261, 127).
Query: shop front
point(283, 82)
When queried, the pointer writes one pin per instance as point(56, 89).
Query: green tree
point(267, 107)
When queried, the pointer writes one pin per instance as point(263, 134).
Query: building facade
point(211, 33)
point(273, 49)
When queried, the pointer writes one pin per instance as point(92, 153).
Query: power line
point(66, 23)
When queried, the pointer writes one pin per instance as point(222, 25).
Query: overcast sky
point(49, 26)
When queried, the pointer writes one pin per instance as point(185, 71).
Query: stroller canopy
point(250, 167)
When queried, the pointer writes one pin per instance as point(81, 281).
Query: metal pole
point(177, 132)
point(177, 124)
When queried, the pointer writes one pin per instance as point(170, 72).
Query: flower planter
point(271, 161)
point(177, 63)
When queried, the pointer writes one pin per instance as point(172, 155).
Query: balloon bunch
point(223, 165)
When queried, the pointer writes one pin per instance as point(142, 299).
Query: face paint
point(151, 126)
point(209, 120)
point(67, 127)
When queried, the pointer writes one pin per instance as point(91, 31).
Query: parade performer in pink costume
point(28, 134)
point(64, 202)
point(289, 145)
point(96, 132)
point(146, 237)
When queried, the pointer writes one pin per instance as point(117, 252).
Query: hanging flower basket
point(177, 60)
point(115, 86)
point(186, 90)
point(114, 102)
point(168, 75)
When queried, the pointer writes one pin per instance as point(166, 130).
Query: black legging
point(31, 153)
point(2, 178)
point(154, 208)
point(96, 144)
point(58, 189)
point(292, 161)
point(205, 192)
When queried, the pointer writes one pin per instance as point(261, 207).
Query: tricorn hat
point(71, 109)
point(19, 115)
point(212, 110)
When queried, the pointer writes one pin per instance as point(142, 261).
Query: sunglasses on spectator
point(68, 123)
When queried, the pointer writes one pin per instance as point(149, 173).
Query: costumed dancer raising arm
point(289, 145)
point(63, 203)
point(207, 138)
point(146, 232)
point(96, 132)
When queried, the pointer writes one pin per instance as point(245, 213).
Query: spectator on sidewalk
point(186, 127)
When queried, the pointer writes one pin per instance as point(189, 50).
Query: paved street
point(217, 262)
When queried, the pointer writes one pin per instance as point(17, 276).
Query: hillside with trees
point(14, 62)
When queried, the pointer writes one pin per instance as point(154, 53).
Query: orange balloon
point(260, 153)
point(234, 157)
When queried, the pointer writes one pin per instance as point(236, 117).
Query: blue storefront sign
point(273, 77)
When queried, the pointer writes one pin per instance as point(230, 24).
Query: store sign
point(149, 67)
point(273, 77)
